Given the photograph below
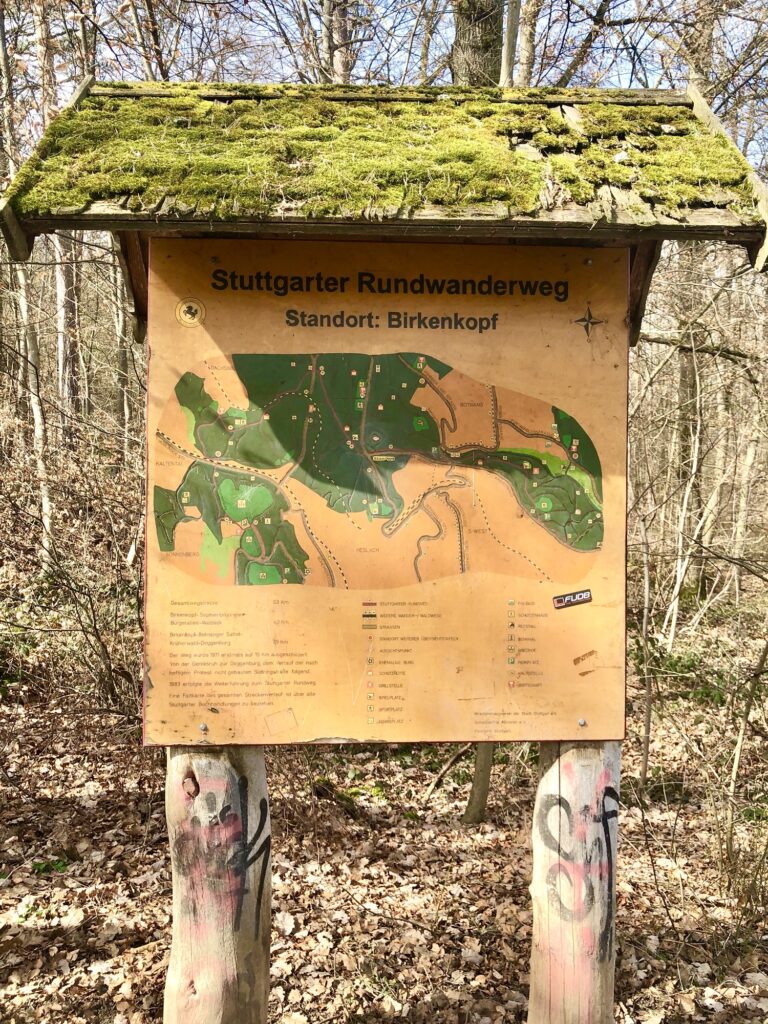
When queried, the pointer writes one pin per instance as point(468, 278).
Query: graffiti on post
point(585, 864)
point(216, 850)
point(245, 857)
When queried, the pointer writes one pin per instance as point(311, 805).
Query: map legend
point(369, 615)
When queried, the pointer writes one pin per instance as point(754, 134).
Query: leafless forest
point(84, 884)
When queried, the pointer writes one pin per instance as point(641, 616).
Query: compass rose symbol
point(588, 321)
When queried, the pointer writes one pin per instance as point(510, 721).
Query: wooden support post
point(218, 822)
point(575, 829)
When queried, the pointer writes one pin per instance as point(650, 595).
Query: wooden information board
point(386, 492)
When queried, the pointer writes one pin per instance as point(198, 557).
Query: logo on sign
point(568, 600)
point(190, 312)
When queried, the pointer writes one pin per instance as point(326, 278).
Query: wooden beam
point(369, 94)
point(555, 227)
point(83, 89)
point(219, 828)
point(643, 260)
point(131, 251)
point(575, 829)
point(16, 238)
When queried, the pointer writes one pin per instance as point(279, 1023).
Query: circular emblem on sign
point(190, 312)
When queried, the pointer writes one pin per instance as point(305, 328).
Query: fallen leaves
point(395, 913)
point(283, 922)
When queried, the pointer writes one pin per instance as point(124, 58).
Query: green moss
point(541, 125)
point(604, 120)
point(671, 174)
point(567, 172)
point(677, 175)
point(607, 165)
point(221, 151)
point(325, 158)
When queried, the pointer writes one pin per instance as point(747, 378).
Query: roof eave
point(554, 227)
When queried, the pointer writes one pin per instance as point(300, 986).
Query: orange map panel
point(386, 492)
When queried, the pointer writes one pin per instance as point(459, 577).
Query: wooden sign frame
point(387, 492)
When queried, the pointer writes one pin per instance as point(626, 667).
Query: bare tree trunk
point(430, 24)
point(9, 163)
point(700, 45)
point(712, 509)
point(343, 59)
point(154, 34)
point(476, 57)
point(648, 678)
point(67, 356)
point(133, 550)
point(88, 38)
point(700, 54)
point(67, 348)
point(7, 106)
point(44, 53)
point(29, 348)
point(336, 52)
point(527, 43)
point(80, 355)
point(326, 40)
point(149, 70)
point(671, 475)
point(689, 432)
point(582, 52)
point(509, 46)
point(20, 368)
point(218, 820)
point(39, 436)
point(745, 489)
point(481, 781)
point(574, 884)
point(122, 396)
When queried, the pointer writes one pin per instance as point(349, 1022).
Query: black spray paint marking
point(582, 861)
point(243, 857)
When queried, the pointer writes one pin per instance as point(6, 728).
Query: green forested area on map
point(346, 423)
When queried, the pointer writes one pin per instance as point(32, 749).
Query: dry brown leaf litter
point(383, 909)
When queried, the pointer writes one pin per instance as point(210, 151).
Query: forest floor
point(385, 907)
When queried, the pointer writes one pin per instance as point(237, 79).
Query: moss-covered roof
point(140, 154)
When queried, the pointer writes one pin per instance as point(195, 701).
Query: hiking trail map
point(386, 492)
